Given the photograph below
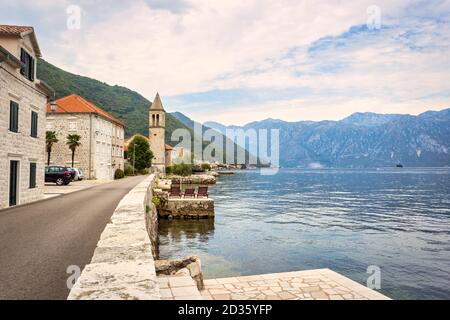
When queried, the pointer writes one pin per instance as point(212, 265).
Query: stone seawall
point(123, 265)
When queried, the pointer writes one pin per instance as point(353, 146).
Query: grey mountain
point(362, 140)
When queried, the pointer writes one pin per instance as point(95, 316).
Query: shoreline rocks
point(189, 266)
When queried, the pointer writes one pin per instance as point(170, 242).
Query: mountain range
point(361, 140)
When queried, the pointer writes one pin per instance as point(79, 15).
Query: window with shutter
point(13, 116)
point(34, 124)
point(32, 175)
point(27, 69)
point(23, 60)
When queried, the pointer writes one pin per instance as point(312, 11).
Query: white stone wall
point(123, 266)
point(118, 140)
point(64, 124)
point(21, 146)
point(103, 149)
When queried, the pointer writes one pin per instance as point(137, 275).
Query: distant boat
point(399, 165)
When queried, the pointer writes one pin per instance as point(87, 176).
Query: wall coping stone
point(122, 267)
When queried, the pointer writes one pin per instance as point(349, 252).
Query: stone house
point(22, 121)
point(102, 137)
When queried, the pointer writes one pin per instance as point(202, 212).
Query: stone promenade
point(321, 284)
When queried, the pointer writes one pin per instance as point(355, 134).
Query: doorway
point(13, 182)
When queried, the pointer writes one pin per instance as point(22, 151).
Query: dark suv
point(59, 175)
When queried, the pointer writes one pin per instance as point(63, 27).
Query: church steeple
point(157, 113)
point(157, 128)
point(157, 104)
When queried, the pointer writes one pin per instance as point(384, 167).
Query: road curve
point(40, 240)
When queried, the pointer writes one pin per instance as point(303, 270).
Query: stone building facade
point(157, 123)
point(102, 137)
point(22, 121)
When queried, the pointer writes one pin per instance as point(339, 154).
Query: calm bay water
point(345, 220)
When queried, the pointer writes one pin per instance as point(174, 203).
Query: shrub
point(143, 172)
point(197, 168)
point(181, 169)
point(129, 170)
point(157, 202)
point(119, 174)
point(206, 166)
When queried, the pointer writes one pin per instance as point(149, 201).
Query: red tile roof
point(76, 104)
point(168, 147)
point(14, 30)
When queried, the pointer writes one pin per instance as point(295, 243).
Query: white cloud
point(180, 47)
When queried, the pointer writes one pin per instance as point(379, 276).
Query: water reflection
point(175, 235)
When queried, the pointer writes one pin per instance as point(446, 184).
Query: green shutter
point(31, 71)
point(34, 124)
point(13, 116)
point(13, 168)
point(32, 175)
point(23, 60)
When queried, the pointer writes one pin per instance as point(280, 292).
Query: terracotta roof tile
point(14, 30)
point(76, 104)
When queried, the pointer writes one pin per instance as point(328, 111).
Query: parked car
point(72, 173)
point(77, 174)
point(57, 174)
point(80, 174)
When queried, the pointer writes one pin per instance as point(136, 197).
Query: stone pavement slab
point(321, 284)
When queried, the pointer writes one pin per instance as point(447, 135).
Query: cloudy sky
point(236, 61)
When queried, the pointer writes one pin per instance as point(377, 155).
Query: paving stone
point(181, 282)
point(185, 291)
point(285, 295)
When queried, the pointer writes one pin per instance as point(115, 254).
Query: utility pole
point(134, 158)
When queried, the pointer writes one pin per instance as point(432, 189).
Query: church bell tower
point(157, 122)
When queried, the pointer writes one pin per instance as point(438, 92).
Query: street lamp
point(134, 158)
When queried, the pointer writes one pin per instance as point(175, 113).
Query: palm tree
point(73, 141)
point(50, 140)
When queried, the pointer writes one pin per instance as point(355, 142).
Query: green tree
point(50, 140)
point(139, 153)
point(73, 141)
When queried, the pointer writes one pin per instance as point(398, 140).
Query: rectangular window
point(34, 124)
point(32, 175)
point(13, 116)
point(73, 126)
point(27, 69)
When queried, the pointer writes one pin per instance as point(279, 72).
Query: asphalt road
point(40, 240)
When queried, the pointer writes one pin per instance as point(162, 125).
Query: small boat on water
point(225, 172)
